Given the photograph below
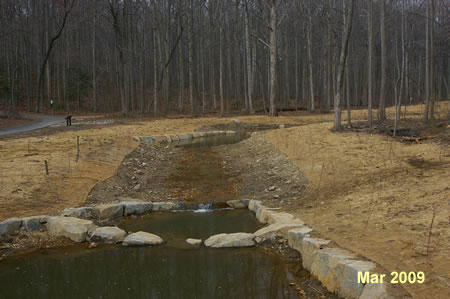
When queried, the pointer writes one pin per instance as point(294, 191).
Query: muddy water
point(160, 272)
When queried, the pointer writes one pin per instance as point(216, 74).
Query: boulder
point(238, 203)
point(33, 223)
point(196, 135)
point(185, 136)
point(164, 206)
point(10, 226)
point(136, 208)
point(174, 137)
point(374, 291)
point(147, 139)
point(308, 249)
point(230, 132)
point(296, 235)
point(254, 205)
point(83, 212)
point(142, 239)
point(325, 263)
point(231, 240)
point(108, 235)
point(275, 217)
point(110, 211)
point(262, 214)
point(276, 230)
point(194, 242)
point(70, 227)
point(347, 277)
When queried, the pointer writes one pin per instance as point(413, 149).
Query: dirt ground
point(367, 192)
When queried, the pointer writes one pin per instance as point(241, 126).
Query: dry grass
point(376, 196)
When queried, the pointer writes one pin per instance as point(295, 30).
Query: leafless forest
point(203, 56)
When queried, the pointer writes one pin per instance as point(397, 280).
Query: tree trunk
point(342, 63)
point(370, 62)
point(191, 57)
point(382, 101)
point(273, 57)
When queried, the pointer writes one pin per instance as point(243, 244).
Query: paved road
point(42, 121)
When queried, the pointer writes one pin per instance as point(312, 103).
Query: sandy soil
point(369, 193)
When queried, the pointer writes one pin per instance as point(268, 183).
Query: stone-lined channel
point(174, 269)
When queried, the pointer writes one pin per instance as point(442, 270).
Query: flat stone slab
point(308, 248)
point(109, 234)
point(375, 291)
point(185, 136)
point(296, 235)
point(231, 240)
point(83, 212)
point(136, 208)
point(110, 211)
point(142, 239)
point(325, 263)
point(70, 227)
point(347, 277)
point(276, 230)
point(10, 226)
point(238, 203)
point(194, 242)
point(274, 217)
point(164, 206)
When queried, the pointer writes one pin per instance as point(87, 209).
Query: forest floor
point(368, 192)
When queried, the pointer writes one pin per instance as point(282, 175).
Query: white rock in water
point(236, 121)
point(109, 234)
point(231, 240)
point(70, 227)
point(195, 242)
point(142, 239)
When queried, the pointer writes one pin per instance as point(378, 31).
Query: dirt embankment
point(377, 197)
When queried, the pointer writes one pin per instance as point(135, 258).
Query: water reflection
point(159, 272)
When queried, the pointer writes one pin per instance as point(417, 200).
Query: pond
point(173, 270)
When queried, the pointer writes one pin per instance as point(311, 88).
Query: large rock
point(347, 277)
point(70, 227)
point(10, 226)
point(185, 136)
point(296, 235)
point(325, 263)
point(276, 230)
point(194, 242)
point(375, 291)
point(164, 206)
point(231, 240)
point(110, 211)
point(108, 235)
point(274, 217)
point(142, 239)
point(33, 223)
point(83, 212)
point(254, 205)
point(238, 203)
point(262, 214)
point(136, 208)
point(308, 249)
